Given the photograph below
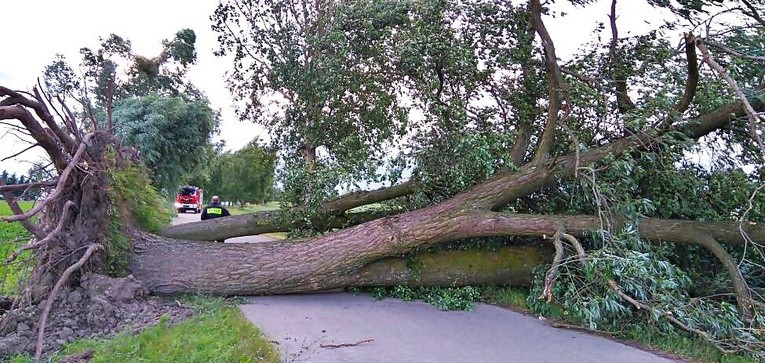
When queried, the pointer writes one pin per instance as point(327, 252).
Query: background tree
point(169, 132)
point(243, 176)
point(323, 65)
point(147, 103)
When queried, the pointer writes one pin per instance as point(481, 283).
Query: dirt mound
point(100, 307)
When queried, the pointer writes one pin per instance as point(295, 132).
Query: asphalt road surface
point(343, 327)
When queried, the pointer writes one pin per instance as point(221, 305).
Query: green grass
point(252, 208)
point(12, 236)
point(218, 333)
point(688, 347)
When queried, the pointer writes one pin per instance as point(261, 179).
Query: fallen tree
point(71, 234)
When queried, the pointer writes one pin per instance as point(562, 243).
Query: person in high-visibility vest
point(214, 209)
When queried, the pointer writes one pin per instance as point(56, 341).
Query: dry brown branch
point(69, 120)
point(334, 346)
point(52, 295)
point(51, 235)
point(44, 114)
point(20, 152)
point(12, 187)
point(59, 186)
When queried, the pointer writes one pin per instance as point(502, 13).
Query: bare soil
point(100, 308)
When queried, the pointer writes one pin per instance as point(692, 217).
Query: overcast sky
point(35, 30)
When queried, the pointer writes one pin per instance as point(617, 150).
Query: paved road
point(342, 327)
point(193, 217)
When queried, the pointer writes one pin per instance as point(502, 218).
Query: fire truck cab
point(189, 198)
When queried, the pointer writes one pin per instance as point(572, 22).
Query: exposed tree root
point(54, 292)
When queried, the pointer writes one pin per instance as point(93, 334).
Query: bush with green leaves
point(133, 199)
point(444, 298)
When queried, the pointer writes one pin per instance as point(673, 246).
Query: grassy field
point(12, 236)
point(253, 208)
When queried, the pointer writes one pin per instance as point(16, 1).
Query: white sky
point(35, 30)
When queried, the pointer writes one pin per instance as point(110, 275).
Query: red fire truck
point(189, 198)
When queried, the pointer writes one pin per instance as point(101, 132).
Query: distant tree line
point(14, 179)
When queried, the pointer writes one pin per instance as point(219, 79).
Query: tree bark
point(169, 266)
point(326, 262)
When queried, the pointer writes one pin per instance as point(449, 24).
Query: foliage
point(134, 199)
point(325, 66)
point(218, 333)
point(147, 102)
point(444, 298)
point(644, 273)
point(244, 176)
point(169, 132)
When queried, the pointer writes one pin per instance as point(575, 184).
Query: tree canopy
point(147, 103)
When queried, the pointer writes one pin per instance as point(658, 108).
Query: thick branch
point(20, 113)
point(10, 199)
point(555, 85)
point(692, 81)
point(623, 101)
point(259, 223)
point(505, 186)
point(740, 287)
point(361, 198)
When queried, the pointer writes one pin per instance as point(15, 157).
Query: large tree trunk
point(176, 266)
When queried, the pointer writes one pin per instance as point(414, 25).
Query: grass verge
point(12, 236)
point(217, 333)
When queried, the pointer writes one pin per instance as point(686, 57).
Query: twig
point(20, 152)
point(52, 295)
point(666, 314)
point(334, 346)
